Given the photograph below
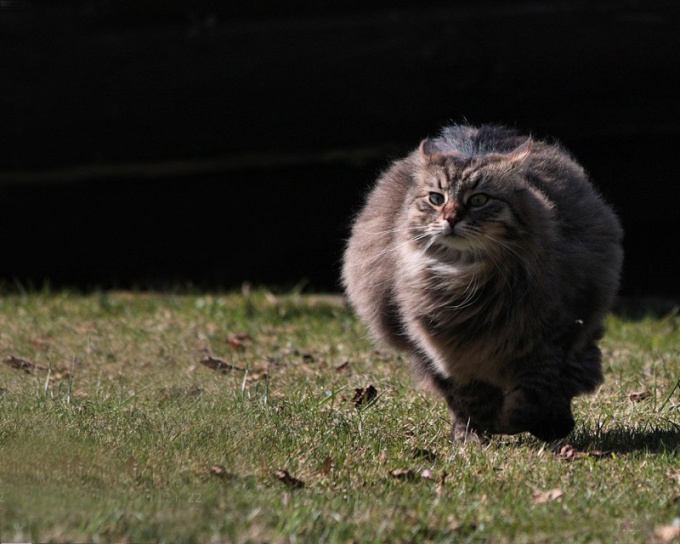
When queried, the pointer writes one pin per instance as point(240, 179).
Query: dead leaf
point(380, 354)
point(254, 376)
point(540, 497)
point(22, 364)
point(220, 472)
point(363, 397)
point(442, 484)
point(675, 476)
point(570, 453)
point(638, 396)
point(327, 465)
point(131, 465)
point(214, 363)
point(403, 474)
point(598, 454)
point(239, 340)
point(342, 368)
point(420, 453)
point(668, 533)
point(383, 457)
point(287, 480)
point(41, 342)
point(60, 375)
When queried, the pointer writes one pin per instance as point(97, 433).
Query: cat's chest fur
point(455, 314)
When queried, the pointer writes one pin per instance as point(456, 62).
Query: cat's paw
point(553, 428)
point(464, 433)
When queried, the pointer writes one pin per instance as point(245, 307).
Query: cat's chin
point(460, 244)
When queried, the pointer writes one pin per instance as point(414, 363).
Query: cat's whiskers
point(472, 289)
point(470, 231)
point(396, 230)
point(399, 246)
point(471, 293)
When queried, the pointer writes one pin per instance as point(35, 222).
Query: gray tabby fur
point(498, 306)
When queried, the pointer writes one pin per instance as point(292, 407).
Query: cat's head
point(472, 203)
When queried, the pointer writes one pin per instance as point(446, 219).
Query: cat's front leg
point(464, 431)
point(544, 413)
point(474, 408)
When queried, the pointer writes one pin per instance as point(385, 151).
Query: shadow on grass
point(622, 441)
point(637, 308)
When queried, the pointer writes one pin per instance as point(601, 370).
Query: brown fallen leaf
point(540, 497)
point(380, 354)
point(364, 396)
point(327, 465)
point(288, 480)
point(342, 368)
point(570, 453)
point(667, 533)
point(442, 484)
point(22, 364)
point(254, 376)
point(403, 474)
point(420, 453)
point(599, 454)
point(214, 363)
point(638, 396)
point(239, 340)
point(60, 375)
point(220, 472)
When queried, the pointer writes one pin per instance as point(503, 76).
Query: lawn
point(136, 417)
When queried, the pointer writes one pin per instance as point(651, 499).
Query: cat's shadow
point(638, 308)
point(624, 441)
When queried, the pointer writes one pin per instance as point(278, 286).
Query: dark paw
point(553, 428)
point(464, 433)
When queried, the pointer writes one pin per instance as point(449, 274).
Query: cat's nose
point(451, 214)
point(452, 218)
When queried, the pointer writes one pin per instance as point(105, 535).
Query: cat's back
point(576, 201)
point(588, 247)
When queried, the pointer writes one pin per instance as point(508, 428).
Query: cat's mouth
point(457, 237)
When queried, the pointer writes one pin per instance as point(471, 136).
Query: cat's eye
point(478, 200)
point(437, 199)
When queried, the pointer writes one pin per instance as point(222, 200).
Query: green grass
point(124, 436)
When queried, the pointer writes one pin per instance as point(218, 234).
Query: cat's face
point(474, 208)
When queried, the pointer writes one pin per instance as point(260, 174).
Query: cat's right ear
point(431, 152)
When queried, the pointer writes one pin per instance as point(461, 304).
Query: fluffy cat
point(491, 261)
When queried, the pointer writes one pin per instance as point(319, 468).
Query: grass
point(118, 433)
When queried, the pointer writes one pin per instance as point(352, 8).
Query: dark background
point(167, 143)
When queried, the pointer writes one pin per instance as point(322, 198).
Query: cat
point(491, 261)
